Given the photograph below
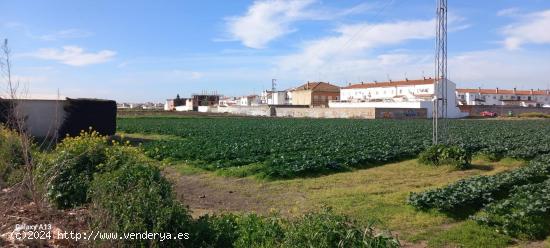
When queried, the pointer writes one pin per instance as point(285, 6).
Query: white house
point(252, 100)
point(514, 97)
point(274, 97)
point(398, 94)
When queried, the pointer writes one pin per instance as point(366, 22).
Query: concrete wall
point(453, 111)
point(207, 109)
point(475, 110)
point(358, 113)
point(247, 110)
point(42, 117)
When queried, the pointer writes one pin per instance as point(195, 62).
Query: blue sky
point(149, 50)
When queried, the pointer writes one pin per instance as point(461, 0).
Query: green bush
point(68, 171)
point(10, 157)
point(137, 198)
point(444, 154)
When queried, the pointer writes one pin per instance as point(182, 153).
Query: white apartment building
point(514, 97)
point(397, 94)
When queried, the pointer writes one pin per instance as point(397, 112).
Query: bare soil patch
point(18, 210)
point(209, 194)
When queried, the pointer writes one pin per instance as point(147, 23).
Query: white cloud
point(350, 49)
point(266, 20)
point(186, 74)
point(531, 28)
point(65, 34)
point(74, 55)
point(501, 68)
point(508, 12)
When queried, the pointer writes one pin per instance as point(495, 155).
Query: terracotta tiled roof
point(391, 84)
point(505, 92)
point(317, 86)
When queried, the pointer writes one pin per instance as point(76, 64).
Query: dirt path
point(207, 194)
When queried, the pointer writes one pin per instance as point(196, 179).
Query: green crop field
point(507, 204)
point(286, 148)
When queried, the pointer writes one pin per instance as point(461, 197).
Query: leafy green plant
point(473, 193)
point(525, 214)
point(290, 148)
point(443, 154)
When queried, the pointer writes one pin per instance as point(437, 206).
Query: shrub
point(68, 171)
point(443, 154)
point(525, 214)
point(215, 231)
point(10, 157)
point(137, 198)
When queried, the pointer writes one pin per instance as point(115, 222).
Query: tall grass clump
point(11, 157)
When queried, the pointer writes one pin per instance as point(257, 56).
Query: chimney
point(307, 86)
point(515, 90)
point(532, 92)
point(479, 89)
point(424, 78)
point(406, 79)
point(497, 90)
point(375, 81)
point(362, 82)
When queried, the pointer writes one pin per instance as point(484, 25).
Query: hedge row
point(473, 193)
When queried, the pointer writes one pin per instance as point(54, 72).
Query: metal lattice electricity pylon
point(439, 113)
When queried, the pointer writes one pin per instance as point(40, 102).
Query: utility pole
point(440, 104)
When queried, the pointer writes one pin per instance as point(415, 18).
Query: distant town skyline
point(139, 51)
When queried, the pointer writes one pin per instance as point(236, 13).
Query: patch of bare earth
point(16, 210)
point(209, 194)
